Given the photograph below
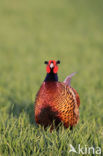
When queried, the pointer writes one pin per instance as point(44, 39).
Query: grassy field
point(30, 33)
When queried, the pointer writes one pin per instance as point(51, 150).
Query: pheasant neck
point(51, 77)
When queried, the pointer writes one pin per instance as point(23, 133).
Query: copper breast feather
point(59, 102)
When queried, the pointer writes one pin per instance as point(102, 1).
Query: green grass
point(30, 33)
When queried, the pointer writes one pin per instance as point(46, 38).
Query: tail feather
point(67, 80)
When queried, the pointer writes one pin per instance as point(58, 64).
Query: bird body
point(56, 101)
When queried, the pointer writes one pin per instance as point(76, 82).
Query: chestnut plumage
point(56, 102)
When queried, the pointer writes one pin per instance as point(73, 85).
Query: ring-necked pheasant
point(56, 101)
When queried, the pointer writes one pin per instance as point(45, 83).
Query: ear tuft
point(45, 62)
point(58, 62)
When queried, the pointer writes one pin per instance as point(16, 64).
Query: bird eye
point(58, 62)
point(45, 62)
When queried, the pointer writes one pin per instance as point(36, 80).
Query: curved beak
point(51, 65)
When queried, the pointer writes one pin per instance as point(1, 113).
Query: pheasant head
point(52, 69)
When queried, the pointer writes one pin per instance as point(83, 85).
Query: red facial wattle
point(48, 69)
point(55, 68)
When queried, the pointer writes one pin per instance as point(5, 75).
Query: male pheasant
point(56, 101)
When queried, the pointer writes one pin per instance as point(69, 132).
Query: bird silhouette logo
point(72, 149)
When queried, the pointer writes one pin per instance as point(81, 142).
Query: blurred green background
point(32, 32)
